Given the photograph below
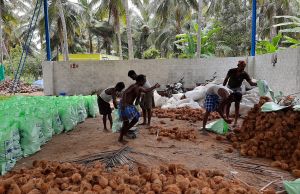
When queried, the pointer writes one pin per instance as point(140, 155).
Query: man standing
point(236, 76)
point(128, 112)
point(218, 98)
point(104, 99)
point(147, 99)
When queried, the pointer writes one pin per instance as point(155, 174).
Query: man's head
point(120, 86)
point(132, 74)
point(241, 65)
point(235, 97)
point(140, 80)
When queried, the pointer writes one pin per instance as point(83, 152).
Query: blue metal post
point(48, 48)
point(253, 36)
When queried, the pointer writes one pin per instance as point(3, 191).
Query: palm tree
point(142, 26)
point(128, 29)
point(267, 10)
point(64, 30)
point(65, 24)
point(199, 28)
point(115, 10)
point(88, 16)
point(180, 9)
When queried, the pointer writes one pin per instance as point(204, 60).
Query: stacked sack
point(27, 123)
point(273, 135)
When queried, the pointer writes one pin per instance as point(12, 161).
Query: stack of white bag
point(250, 98)
point(195, 99)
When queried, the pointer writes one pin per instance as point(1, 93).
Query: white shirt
point(215, 88)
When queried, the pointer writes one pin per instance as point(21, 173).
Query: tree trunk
point(64, 29)
point(246, 24)
point(1, 35)
point(128, 27)
point(90, 43)
point(199, 28)
point(119, 41)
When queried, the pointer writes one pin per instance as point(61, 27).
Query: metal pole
point(253, 36)
point(48, 48)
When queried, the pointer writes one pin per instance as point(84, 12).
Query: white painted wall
point(89, 76)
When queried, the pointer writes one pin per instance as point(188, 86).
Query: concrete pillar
point(48, 77)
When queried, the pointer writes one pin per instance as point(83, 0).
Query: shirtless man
point(127, 110)
point(147, 100)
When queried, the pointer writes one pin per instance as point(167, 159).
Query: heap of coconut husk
point(22, 87)
point(68, 178)
point(273, 135)
point(187, 114)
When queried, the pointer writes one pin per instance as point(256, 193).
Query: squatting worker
point(147, 99)
point(104, 99)
point(127, 111)
point(236, 76)
point(218, 98)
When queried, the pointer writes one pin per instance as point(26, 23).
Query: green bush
point(151, 53)
point(32, 69)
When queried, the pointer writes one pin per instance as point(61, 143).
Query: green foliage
point(151, 53)
point(292, 42)
point(187, 43)
point(264, 47)
point(292, 26)
point(32, 69)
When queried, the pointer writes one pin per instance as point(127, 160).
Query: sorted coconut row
point(173, 133)
point(22, 87)
point(274, 135)
point(184, 114)
point(67, 178)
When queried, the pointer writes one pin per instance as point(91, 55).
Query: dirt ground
point(206, 152)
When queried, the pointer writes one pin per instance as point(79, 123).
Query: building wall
point(94, 75)
point(283, 75)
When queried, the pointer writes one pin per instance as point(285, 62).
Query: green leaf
point(276, 39)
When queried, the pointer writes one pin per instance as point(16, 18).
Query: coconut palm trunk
point(64, 30)
point(199, 28)
point(128, 27)
point(119, 41)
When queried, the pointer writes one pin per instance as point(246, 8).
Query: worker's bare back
point(130, 94)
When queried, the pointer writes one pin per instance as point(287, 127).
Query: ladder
point(26, 46)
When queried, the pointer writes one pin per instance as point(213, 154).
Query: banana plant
point(264, 46)
point(293, 24)
point(292, 42)
point(187, 42)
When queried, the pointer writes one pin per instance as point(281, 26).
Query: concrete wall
point(284, 75)
point(60, 77)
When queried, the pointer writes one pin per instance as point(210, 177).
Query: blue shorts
point(211, 102)
point(129, 113)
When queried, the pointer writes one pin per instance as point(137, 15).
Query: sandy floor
point(205, 152)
